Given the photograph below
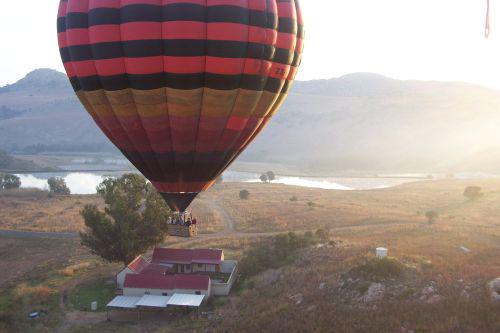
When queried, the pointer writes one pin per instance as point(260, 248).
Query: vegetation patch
point(378, 269)
point(278, 252)
point(99, 291)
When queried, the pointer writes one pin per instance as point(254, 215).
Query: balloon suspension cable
point(487, 27)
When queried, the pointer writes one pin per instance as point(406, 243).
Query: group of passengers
point(178, 220)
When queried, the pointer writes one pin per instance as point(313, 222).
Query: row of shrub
point(279, 251)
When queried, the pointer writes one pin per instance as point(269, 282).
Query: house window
point(200, 265)
point(164, 294)
point(198, 293)
point(147, 293)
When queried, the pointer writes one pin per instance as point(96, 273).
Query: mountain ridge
point(359, 121)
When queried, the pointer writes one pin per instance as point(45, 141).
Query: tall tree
point(133, 221)
point(270, 176)
point(263, 178)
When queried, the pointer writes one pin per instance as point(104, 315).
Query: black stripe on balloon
point(175, 48)
point(177, 81)
point(172, 12)
point(205, 170)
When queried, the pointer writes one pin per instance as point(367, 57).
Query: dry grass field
point(34, 210)
point(331, 287)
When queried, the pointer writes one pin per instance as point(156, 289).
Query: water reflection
point(86, 182)
point(78, 183)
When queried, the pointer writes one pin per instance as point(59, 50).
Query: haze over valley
point(359, 122)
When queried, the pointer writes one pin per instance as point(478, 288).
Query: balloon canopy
point(181, 87)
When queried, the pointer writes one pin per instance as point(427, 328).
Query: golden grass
point(358, 221)
point(34, 210)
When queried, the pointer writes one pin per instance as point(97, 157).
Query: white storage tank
point(381, 252)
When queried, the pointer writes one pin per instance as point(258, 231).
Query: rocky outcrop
point(494, 287)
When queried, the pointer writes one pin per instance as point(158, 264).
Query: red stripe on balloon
point(63, 5)
point(176, 65)
point(104, 4)
point(286, 41)
point(300, 45)
point(78, 7)
point(286, 10)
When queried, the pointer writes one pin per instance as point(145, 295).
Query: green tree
point(58, 186)
point(244, 194)
point(270, 176)
point(473, 192)
point(10, 182)
point(133, 221)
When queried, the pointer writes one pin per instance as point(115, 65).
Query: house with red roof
point(141, 266)
point(187, 271)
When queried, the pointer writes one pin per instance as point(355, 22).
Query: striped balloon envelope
point(181, 87)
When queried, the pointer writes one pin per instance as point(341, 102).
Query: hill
point(358, 122)
point(41, 113)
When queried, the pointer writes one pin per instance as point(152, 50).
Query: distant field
point(279, 208)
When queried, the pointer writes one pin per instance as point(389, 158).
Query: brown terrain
point(435, 280)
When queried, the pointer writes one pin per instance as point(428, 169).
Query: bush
point(323, 235)
point(58, 186)
point(376, 269)
point(294, 199)
point(244, 194)
point(473, 192)
point(279, 252)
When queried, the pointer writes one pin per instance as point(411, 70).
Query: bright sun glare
point(404, 39)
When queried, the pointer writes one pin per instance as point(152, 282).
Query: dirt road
point(36, 234)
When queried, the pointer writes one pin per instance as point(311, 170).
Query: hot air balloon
point(181, 87)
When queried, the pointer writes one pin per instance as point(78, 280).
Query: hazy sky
point(406, 39)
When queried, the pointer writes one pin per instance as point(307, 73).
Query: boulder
point(494, 287)
point(375, 292)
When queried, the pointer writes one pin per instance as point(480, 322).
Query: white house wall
point(139, 292)
point(120, 278)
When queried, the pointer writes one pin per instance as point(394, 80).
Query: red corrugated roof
point(168, 282)
point(156, 269)
point(187, 256)
point(138, 264)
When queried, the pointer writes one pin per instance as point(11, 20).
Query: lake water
point(86, 182)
